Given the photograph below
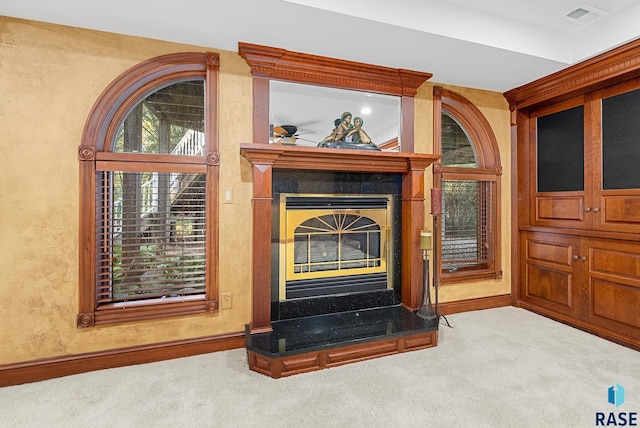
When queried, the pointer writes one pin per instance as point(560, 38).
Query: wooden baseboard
point(449, 308)
point(604, 333)
point(49, 368)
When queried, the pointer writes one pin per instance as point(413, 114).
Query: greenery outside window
point(148, 178)
point(469, 177)
point(466, 225)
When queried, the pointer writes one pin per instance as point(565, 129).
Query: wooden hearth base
point(316, 360)
point(307, 344)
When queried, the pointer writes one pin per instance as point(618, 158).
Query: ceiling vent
point(585, 14)
point(578, 13)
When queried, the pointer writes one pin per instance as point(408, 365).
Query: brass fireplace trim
point(290, 220)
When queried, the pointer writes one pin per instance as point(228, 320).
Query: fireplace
point(335, 244)
point(365, 211)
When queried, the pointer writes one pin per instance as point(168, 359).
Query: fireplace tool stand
point(436, 212)
point(426, 310)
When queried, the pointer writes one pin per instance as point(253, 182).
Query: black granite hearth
point(306, 334)
point(296, 308)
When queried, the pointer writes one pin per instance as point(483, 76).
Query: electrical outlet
point(226, 300)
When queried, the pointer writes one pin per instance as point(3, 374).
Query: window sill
point(468, 276)
point(140, 311)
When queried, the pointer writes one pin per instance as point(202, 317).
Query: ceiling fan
point(288, 134)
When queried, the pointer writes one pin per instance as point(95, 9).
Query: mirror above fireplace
point(304, 114)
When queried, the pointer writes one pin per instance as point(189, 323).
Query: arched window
point(148, 194)
point(469, 177)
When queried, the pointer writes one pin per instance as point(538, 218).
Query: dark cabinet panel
point(621, 141)
point(561, 151)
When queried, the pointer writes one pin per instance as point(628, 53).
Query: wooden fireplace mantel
point(297, 157)
point(264, 158)
point(270, 63)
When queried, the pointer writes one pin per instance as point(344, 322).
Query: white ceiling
point(490, 44)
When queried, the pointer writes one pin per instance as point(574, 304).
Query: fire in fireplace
point(334, 244)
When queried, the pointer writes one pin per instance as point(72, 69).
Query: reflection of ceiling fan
point(287, 134)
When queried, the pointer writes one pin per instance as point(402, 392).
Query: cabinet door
point(550, 272)
point(612, 281)
point(561, 163)
point(616, 156)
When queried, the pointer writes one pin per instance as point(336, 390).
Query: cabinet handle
point(583, 258)
point(587, 209)
point(595, 210)
point(575, 257)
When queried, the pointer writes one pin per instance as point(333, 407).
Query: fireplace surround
point(290, 336)
point(325, 331)
point(336, 241)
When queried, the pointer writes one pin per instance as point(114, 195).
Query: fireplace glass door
point(334, 244)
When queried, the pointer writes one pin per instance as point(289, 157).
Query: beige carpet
point(503, 367)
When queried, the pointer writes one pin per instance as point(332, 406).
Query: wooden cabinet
point(593, 282)
point(576, 193)
point(585, 161)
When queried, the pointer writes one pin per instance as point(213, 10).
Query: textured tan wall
point(50, 76)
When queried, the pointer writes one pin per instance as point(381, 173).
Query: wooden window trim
point(100, 128)
point(489, 169)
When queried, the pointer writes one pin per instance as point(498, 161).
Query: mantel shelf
point(312, 158)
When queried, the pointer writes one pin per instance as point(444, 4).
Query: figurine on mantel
point(348, 136)
point(342, 127)
point(359, 136)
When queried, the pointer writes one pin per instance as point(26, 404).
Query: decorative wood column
point(261, 250)
point(413, 210)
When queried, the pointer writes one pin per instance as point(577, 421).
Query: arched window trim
point(101, 126)
point(489, 169)
point(473, 122)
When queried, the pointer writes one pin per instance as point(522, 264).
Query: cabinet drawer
point(559, 208)
point(550, 252)
point(620, 211)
